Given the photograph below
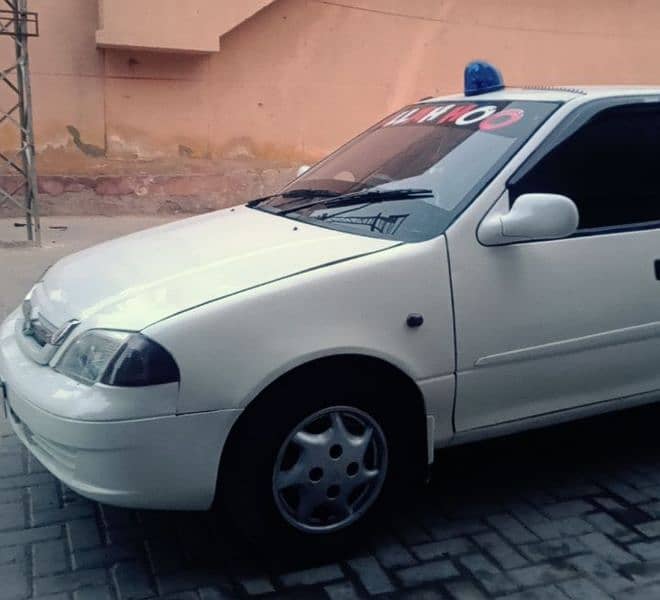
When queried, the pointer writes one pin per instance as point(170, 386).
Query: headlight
point(87, 358)
point(141, 361)
point(117, 358)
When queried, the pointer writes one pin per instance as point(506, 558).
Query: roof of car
point(555, 93)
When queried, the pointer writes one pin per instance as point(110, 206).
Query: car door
point(546, 326)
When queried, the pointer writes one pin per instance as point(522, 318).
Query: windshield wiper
point(297, 193)
point(379, 195)
point(365, 196)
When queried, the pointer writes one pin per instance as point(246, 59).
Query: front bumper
point(160, 461)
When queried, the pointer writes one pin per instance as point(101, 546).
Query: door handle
point(656, 265)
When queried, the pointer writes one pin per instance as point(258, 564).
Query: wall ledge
point(193, 26)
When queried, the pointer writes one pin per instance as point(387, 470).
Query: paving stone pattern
point(563, 514)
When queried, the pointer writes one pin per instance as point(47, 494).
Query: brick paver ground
point(568, 513)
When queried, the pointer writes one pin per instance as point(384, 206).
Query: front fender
point(229, 350)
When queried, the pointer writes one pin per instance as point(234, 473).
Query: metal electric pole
point(18, 183)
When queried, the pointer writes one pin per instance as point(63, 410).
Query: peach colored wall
point(301, 76)
point(67, 74)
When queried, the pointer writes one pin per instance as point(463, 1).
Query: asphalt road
point(571, 512)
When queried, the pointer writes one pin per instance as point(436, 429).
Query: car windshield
point(409, 176)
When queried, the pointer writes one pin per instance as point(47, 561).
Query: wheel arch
point(390, 377)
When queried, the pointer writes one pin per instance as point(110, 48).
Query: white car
point(470, 266)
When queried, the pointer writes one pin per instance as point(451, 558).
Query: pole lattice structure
point(18, 185)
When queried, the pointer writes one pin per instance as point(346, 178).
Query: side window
point(609, 168)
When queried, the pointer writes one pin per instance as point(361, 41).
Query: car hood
point(134, 281)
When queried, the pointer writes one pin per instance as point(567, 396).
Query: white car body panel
point(353, 307)
point(123, 446)
point(568, 323)
point(540, 341)
point(151, 275)
point(60, 395)
point(286, 322)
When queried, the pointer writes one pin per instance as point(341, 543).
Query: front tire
point(309, 472)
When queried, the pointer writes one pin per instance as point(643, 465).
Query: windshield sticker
point(488, 117)
point(504, 118)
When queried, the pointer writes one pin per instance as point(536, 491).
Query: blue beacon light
point(482, 77)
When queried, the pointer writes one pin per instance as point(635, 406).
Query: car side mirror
point(302, 170)
point(532, 217)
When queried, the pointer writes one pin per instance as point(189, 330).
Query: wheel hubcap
point(330, 469)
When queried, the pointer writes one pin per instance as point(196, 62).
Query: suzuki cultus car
point(468, 267)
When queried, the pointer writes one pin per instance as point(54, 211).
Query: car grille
point(37, 337)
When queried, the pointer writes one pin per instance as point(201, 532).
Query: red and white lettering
point(420, 115)
point(401, 117)
point(435, 113)
point(488, 117)
point(476, 115)
point(504, 118)
point(456, 113)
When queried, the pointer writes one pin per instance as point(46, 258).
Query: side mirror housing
point(302, 170)
point(532, 217)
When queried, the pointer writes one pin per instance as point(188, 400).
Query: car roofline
point(550, 94)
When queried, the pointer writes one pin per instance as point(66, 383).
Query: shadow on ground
point(468, 483)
